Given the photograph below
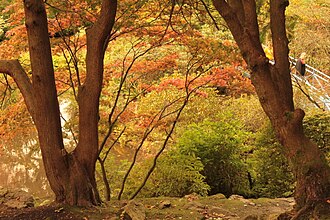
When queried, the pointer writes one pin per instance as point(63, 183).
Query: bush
point(218, 145)
point(176, 175)
point(272, 176)
point(271, 172)
point(317, 128)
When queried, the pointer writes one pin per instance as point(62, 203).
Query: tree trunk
point(69, 180)
point(308, 163)
point(274, 89)
point(71, 176)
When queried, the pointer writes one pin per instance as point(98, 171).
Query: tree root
point(304, 212)
point(314, 210)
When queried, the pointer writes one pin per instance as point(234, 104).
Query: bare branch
point(72, 84)
point(211, 16)
point(309, 97)
point(7, 88)
point(147, 132)
point(178, 112)
point(163, 147)
point(70, 130)
point(73, 55)
point(113, 144)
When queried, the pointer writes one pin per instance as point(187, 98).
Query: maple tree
point(145, 109)
point(77, 184)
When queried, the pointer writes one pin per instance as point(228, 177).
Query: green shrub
point(272, 176)
point(271, 172)
point(218, 145)
point(175, 175)
point(317, 128)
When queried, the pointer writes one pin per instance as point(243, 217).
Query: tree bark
point(89, 93)
point(274, 89)
point(45, 104)
point(71, 176)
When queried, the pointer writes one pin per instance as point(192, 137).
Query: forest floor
point(187, 208)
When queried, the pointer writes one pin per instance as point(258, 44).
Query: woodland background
point(184, 95)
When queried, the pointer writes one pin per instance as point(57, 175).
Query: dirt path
point(188, 208)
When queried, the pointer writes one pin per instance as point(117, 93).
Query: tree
point(274, 89)
point(71, 175)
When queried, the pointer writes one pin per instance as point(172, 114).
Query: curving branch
point(14, 69)
point(99, 34)
point(210, 15)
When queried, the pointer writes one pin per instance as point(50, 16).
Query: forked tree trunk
point(274, 89)
point(69, 180)
point(71, 176)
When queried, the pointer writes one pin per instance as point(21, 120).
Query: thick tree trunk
point(274, 89)
point(308, 163)
point(70, 181)
point(89, 93)
point(71, 176)
point(66, 176)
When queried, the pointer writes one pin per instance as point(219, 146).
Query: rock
point(259, 217)
point(191, 197)
point(164, 204)
point(251, 217)
point(194, 206)
point(218, 196)
point(16, 198)
point(218, 210)
point(242, 199)
point(289, 200)
point(133, 211)
point(236, 197)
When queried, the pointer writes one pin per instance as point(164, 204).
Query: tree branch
point(251, 21)
point(89, 93)
point(210, 14)
point(281, 49)
point(14, 69)
point(97, 41)
point(237, 6)
point(102, 27)
point(279, 38)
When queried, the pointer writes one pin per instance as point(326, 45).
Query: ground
point(187, 208)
